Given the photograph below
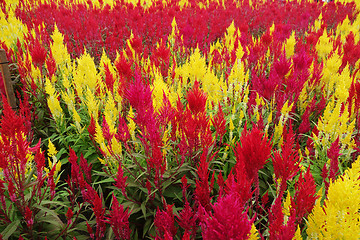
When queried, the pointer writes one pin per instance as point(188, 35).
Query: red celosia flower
point(187, 219)
point(277, 228)
point(184, 187)
point(148, 188)
point(29, 217)
point(90, 230)
point(164, 222)
point(118, 220)
point(76, 175)
point(161, 58)
point(99, 212)
point(51, 182)
point(121, 180)
point(69, 215)
point(282, 66)
point(40, 162)
point(11, 123)
point(305, 196)
point(86, 168)
point(106, 131)
point(334, 153)
point(51, 66)
point(123, 67)
point(12, 190)
point(239, 185)
point(38, 53)
point(92, 128)
point(253, 152)
point(202, 190)
point(219, 123)
point(122, 134)
point(186, 236)
point(109, 79)
point(286, 162)
point(229, 220)
point(196, 99)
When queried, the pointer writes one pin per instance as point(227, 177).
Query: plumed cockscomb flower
point(165, 222)
point(228, 221)
point(119, 220)
point(196, 99)
point(253, 152)
point(305, 196)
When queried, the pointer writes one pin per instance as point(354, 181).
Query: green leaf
point(148, 224)
point(10, 229)
point(50, 212)
point(143, 209)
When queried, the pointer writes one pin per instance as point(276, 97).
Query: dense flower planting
point(181, 119)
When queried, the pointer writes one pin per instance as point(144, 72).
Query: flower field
point(181, 119)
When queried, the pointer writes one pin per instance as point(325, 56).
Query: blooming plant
point(180, 119)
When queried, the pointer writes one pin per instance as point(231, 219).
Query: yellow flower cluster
point(338, 217)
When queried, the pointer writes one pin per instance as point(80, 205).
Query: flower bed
point(181, 120)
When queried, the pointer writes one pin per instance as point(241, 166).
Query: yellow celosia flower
point(131, 124)
point(338, 217)
point(59, 50)
point(297, 234)
point(11, 28)
point(53, 102)
point(174, 33)
point(92, 104)
point(51, 149)
point(286, 108)
point(230, 37)
point(286, 206)
point(165, 140)
point(238, 83)
point(334, 124)
point(111, 114)
point(254, 234)
point(159, 89)
point(318, 22)
point(85, 75)
point(290, 45)
point(324, 45)
point(77, 119)
point(116, 147)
